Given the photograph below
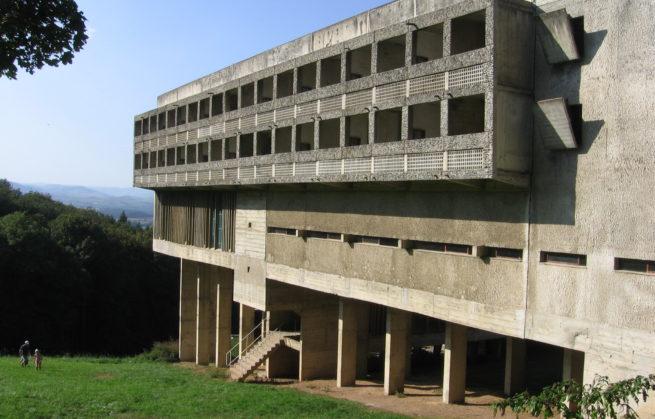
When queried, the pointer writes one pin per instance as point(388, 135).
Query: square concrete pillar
point(573, 365)
point(395, 350)
point(347, 343)
point(224, 294)
point(318, 346)
point(454, 369)
point(188, 290)
point(246, 324)
point(514, 366)
point(205, 315)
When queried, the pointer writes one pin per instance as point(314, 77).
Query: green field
point(93, 387)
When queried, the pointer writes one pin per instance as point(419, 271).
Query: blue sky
point(73, 124)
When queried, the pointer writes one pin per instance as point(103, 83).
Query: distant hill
point(137, 203)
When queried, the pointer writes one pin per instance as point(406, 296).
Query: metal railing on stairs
point(231, 359)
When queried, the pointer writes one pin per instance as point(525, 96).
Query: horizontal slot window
point(563, 258)
point(323, 235)
point(634, 265)
point(460, 249)
point(282, 230)
point(505, 253)
point(380, 241)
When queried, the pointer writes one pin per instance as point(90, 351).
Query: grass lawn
point(92, 387)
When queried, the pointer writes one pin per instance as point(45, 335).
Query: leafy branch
point(600, 399)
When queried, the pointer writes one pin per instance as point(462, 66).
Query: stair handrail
point(229, 360)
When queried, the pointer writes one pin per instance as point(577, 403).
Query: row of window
point(467, 33)
point(620, 264)
point(465, 116)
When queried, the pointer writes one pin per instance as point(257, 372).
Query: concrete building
point(465, 173)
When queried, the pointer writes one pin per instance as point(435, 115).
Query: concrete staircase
point(257, 354)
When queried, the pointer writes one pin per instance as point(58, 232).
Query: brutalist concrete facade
point(482, 164)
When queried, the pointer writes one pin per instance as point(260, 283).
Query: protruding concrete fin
point(556, 33)
point(554, 124)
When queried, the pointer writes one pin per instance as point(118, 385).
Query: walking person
point(24, 353)
point(38, 358)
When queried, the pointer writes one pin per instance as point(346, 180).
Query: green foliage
point(87, 387)
point(600, 399)
point(167, 351)
point(76, 281)
point(34, 33)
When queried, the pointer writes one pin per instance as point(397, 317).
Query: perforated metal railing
point(433, 162)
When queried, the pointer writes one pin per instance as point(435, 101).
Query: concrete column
point(347, 343)
point(573, 365)
point(514, 366)
point(454, 369)
point(246, 324)
point(205, 315)
point(318, 350)
point(395, 350)
point(224, 293)
point(188, 289)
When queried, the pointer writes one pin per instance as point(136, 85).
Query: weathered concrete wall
point(592, 200)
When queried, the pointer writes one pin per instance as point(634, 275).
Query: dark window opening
point(575, 116)
point(215, 150)
point(137, 128)
point(265, 90)
point(170, 156)
point(425, 120)
point(204, 108)
point(153, 123)
point(162, 120)
point(180, 152)
point(380, 241)
point(203, 152)
point(563, 258)
point(193, 112)
point(357, 130)
point(231, 148)
point(170, 118)
point(331, 70)
point(466, 115)
point(137, 161)
point(323, 235)
point(285, 84)
point(305, 136)
point(247, 95)
point(358, 63)
point(505, 253)
point(281, 230)
point(427, 44)
point(467, 32)
point(264, 143)
point(391, 53)
point(387, 125)
point(161, 158)
point(232, 100)
point(634, 265)
point(144, 160)
point(328, 133)
point(578, 33)
point(217, 104)
point(153, 159)
point(191, 154)
point(307, 77)
point(461, 249)
point(283, 140)
point(181, 115)
point(246, 145)
point(144, 126)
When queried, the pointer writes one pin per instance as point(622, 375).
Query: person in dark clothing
point(24, 353)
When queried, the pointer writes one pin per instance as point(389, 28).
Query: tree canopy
point(34, 33)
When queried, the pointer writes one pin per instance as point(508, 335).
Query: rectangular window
point(391, 53)
point(137, 128)
point(217, 104)
point(427, 44)
point(281, 230)
point(425, 120)
point(358, 63)
point(307, 77)
point(247, 95)
point(634, 265)
point(162, 120)
point(380, 241)
point(323, 235)
point(330, 70)
point(193, 112)
point(232, 99)
point(153, 123)
point(285, 84)
point(563, 258)
point(204, 108)
point(505, 253)
point(265, 90)
point(467, 32)
point(388, 124)
point(170, 118)
point(460, 249)
point(181, 115)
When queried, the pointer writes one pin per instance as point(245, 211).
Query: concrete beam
point(395, 350)
point(454, 369)
point(514, 366)
point(188, 289)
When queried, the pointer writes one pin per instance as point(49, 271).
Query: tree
point(34, 33)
